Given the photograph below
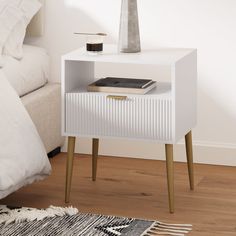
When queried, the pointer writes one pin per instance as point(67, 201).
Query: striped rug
point(53, 221)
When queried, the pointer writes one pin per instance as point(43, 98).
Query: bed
point(43, 100)
point(29, 103)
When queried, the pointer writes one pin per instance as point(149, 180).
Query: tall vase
point(129, 39)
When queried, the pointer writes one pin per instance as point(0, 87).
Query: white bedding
point(29, 73)
point(23, 158)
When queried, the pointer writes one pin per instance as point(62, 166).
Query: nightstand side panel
point(184, 82)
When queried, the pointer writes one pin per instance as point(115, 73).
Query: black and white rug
point(55, 221)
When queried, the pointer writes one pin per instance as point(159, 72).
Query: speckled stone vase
point(129, 39)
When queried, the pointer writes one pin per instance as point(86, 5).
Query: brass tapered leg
point(94, 158)
point(189, 153)
point(69, 166)
point(170, 175)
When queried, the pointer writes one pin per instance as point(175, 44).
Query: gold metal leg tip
point(67, 200)
point(172, 211)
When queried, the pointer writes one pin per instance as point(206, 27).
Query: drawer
point(137, 117)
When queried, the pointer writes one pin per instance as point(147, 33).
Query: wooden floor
point(137, 188)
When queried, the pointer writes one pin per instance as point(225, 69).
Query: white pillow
point(30, 73)
point(13, 45)
point(9, 17)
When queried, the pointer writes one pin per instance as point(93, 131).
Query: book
point(122, 85)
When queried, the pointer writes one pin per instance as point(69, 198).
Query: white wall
point(209, 25)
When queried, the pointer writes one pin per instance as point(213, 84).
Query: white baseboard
point(204, 152)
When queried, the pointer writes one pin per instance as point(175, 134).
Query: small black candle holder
point(94, 42)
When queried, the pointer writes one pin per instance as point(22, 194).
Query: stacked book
point(122, 85)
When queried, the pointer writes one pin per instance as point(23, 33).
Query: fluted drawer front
point(136, 117)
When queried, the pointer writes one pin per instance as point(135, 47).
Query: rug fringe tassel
point(31, 214)
point(160, 228)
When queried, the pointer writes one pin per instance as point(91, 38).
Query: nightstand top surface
point(159, 56)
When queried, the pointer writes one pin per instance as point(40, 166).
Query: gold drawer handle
point(117, 97)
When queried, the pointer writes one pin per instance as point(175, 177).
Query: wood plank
point(137, 188)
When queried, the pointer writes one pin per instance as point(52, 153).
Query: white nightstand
point(166, 114)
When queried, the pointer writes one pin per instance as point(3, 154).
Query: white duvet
point(23, 158)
